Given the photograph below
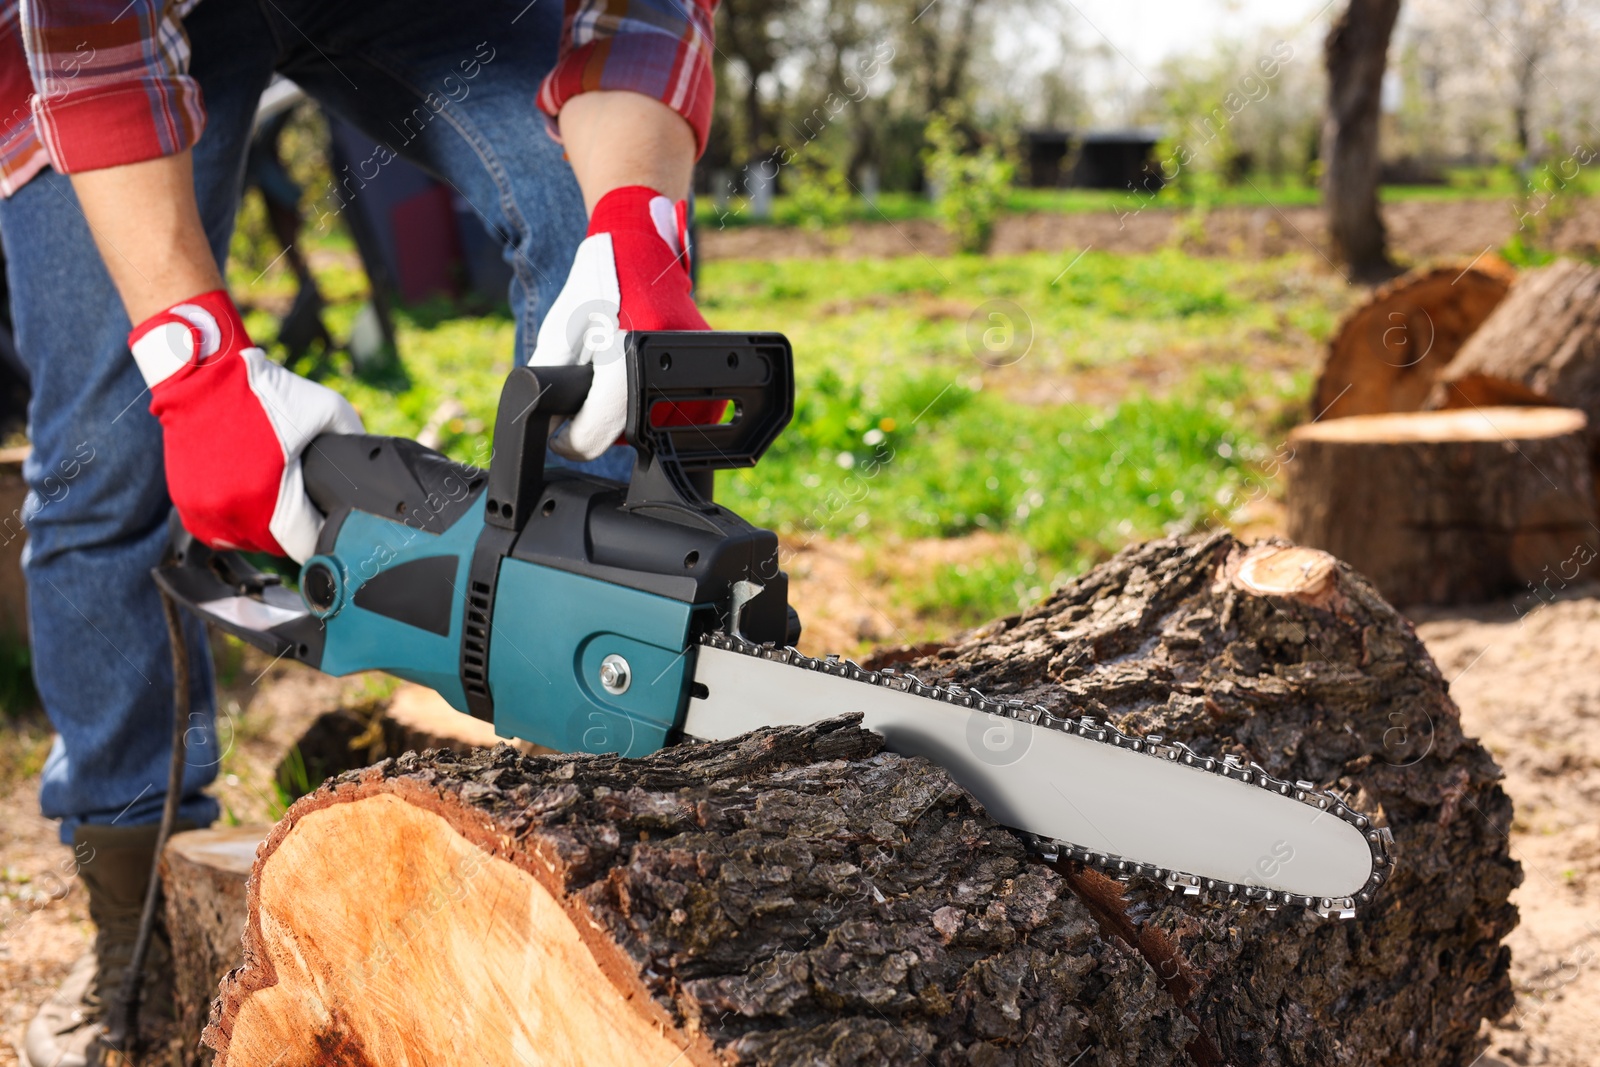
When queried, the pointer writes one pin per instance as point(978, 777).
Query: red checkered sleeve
point(21, 155)
point(110, 80)
point(661, 48)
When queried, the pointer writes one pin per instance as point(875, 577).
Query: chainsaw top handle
point(752, 372)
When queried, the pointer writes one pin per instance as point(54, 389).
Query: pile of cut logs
point(1456, 435)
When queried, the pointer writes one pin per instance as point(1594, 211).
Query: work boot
point(114, 867)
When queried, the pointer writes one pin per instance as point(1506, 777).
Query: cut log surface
point(1541, 346)
point(1387, 353)
point(1448, 507)
point(800, 896)
point(203, 874)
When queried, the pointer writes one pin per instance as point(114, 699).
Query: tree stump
point(1542, 346)
point(203, 875)
point(799, 896)
point(1388, 352)
point(1448, 507)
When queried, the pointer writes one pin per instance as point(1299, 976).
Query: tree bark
point(1542, 346)
point(415, 718)
point(1387, 353)
point(1448, 507)
point(1355, 53)
point(800, 896)
point(794, 896)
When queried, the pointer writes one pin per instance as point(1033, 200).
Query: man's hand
point(234, 424)
point(630, 273)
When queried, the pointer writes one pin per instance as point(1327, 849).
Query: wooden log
point(744, 902)
point(799, 896)
point(203, 875)
point(1541, 346)
point(1286, 656)
point(1387, 353)
point(1447, 507)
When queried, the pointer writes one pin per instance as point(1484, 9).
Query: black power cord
point(122, 1031)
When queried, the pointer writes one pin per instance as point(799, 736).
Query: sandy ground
point(1527, 684)
point(1523, 673)
point(1417, 231)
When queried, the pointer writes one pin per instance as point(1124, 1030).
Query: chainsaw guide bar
point(1011, 796)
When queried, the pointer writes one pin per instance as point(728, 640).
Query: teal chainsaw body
point(556, 605)
point(549, 637)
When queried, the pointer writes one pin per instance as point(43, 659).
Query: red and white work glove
point(234, 424)
point(630, 273)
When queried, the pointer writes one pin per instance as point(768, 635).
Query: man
point(121, 155)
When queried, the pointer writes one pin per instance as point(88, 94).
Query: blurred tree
point(941, 37)
point(1355, 53)
point(1235, 110)
point(750, 38)
point(1497, 79)
point(1034, 70)
point(972, 182)
point(855, 82)
point(1532, 28)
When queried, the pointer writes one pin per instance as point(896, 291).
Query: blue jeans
point(98, 504)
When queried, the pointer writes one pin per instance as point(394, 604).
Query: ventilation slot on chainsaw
point(475, 646)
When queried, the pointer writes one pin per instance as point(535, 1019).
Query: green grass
point(902, 432)
point(924, 457)
point(1093, 311)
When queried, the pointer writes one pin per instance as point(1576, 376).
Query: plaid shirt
point(86, 84)
point(661, 48)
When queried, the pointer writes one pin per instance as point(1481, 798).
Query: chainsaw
point(589, 615)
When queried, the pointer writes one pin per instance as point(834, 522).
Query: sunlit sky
point(1147, 31)
point(1142, 33)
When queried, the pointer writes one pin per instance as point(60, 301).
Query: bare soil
point(1418, 231)
point(846, 594)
